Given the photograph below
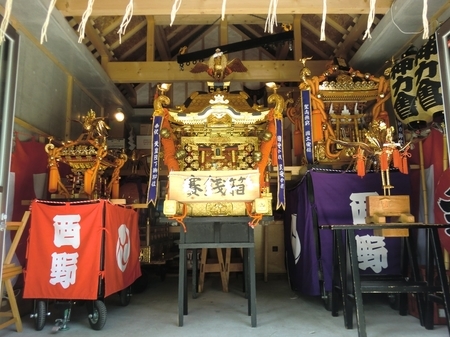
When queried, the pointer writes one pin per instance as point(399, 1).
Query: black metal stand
point(217, 232)
point(352, 285)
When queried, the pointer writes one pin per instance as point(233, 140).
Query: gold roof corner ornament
point(218, 66)
point(93, 126)
point(305, 73)
point(162, 99)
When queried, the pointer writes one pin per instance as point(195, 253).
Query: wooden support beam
point(204, 7)
point(297, 27)
point(223, 32)
point(258, 71)
point(150, 38)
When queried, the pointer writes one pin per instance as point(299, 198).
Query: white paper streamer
point(175, 7)
point(46, 22)
point(126, 20)
point(324, 18)
point(370, 19)
point(5, 21)
point(425, 20)
point(224, 6)
point(84, 19)
point(271, 16)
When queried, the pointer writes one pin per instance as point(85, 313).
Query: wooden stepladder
point(11, 270)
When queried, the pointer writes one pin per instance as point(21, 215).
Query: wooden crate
point(389, 208)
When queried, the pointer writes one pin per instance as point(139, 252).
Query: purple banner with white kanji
point(307, 127)
point(335, 197)
point(281, 172)
point(154, 160)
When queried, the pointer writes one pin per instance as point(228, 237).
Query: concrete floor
point(280, 313)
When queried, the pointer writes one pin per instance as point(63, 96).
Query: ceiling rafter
point(161, 44)
point(133, 49)
point(129, 33)
point(256, 35)
point(190, 38)
point(352, 37)
point(315, 49)
point(114, 25)
point(316, 32)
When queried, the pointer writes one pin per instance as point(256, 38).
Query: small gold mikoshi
point(165, 133)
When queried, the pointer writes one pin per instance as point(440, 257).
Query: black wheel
point(125, 296)
point(40, 315)
point(97, 315)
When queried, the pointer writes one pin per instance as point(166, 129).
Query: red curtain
point(122, 248)
point(63, 255)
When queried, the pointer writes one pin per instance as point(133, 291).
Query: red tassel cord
point(360, 163)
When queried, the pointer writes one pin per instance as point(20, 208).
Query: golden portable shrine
point(218, 149)
point(88, 157)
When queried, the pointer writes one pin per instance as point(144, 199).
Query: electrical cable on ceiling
point(5, 21)
point(46, 22)
point(84, 19)
point(370, 19)
point(324, 18)
point(271, 16)
point(126, 20)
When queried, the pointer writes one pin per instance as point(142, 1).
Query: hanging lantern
point(428, 80)
point(416, 87)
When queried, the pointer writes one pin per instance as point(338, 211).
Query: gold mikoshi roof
point(221, 105)
point(349, 89)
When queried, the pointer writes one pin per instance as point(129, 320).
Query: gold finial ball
point(165, 133)
point(319, 95)
point(367, 76)
point(180, 154)
point(335, 67)
point(265, 136)
point(257, 156)
point(381, 95)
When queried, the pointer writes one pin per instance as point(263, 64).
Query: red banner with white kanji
point(63, 255)
point(122, 248)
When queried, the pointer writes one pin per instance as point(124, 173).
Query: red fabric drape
point(63, 256)
point(122, 248)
